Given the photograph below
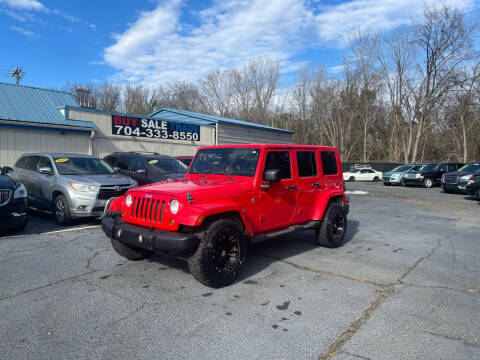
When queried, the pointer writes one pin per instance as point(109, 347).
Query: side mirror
point(45, 170)
point(271, 175)
point(7, 169)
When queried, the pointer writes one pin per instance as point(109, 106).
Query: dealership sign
point(154, 128)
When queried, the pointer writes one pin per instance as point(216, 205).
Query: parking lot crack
point(46, 285)
point(418, 262)
point(456, 338)
point(327, 273)
point(381, 295)
point(89, 261)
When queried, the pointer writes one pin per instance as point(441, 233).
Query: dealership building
point(45, 120)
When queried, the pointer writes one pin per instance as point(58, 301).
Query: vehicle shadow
point(262, 255)
point(42, 222)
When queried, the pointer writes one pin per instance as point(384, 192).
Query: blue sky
point(154, 42)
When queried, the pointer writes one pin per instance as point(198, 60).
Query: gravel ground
point(405, 286)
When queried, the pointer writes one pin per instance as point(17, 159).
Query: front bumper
point(146, 238)
point(454, 187)
point(13, 215)
point(86, 207)
point(416, 181)
point(391, 180)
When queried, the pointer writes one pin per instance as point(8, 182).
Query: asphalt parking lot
point(405, 286)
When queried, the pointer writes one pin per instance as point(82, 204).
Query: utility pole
point(17, 73)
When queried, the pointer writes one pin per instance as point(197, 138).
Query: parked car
point(187, 160)
point(397, 175)
point(473, 186)
point(457, 181)
point(71, 185)
point(232, 194)
point(13, 202)
point(147, 168)
point(362, 174)
point(430, 175)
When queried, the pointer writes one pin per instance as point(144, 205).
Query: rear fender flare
point(324, 200)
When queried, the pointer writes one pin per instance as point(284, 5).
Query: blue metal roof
point(170, 114)
point(37, 105)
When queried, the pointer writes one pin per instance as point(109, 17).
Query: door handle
point(316, 185)
point(291, 187)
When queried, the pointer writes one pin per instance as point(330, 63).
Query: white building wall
point(16, 141)
point(104, 142)
point(237, 134)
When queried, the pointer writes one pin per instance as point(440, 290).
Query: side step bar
point(308, 226)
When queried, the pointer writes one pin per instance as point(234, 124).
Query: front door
point(278, 203)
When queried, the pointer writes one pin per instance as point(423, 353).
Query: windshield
point(166, 165)
point(428, 167)
point(470, 168)
point(232, 161)
point(82, 166)
point(402, 168)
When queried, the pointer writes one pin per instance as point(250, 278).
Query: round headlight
point(128, 200)
point(174, 205)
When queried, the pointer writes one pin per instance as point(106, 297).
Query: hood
point(6, 182)
point(99, 180)
point(198, 188)
point(460, 173)
point(390, 173)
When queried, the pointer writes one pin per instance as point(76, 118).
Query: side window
point(329, 163)
point(371, 171)
point(44, 162)
point(443, 168)
point(21, 163)
point(137, 164)
point(279, 160)
point(307, 164)
point(31, 163)
point(123, 162)
point(110, 160)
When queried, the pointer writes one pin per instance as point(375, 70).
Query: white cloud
point(157, 47)
point(335, 23)
point(25, 4)
point(23, 31)
point(336, 69)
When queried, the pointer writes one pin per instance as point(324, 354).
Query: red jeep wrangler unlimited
point(231, 195)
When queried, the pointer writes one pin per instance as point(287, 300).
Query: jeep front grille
point(450, 179)
point(5, 196)
point(148, 209)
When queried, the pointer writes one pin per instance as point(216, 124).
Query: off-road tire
point(351, 178)
point(428, 183)
point(327, 234)
point(205, 265)
point(61, 210)
point(130, 252)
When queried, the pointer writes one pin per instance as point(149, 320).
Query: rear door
point(308, 183)
point(278, 203)
point(43, 183)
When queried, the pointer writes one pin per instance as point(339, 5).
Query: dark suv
point(473, 187)
point(147, 168)
point(457, 181)
point(13, 202)
point(431, 174)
